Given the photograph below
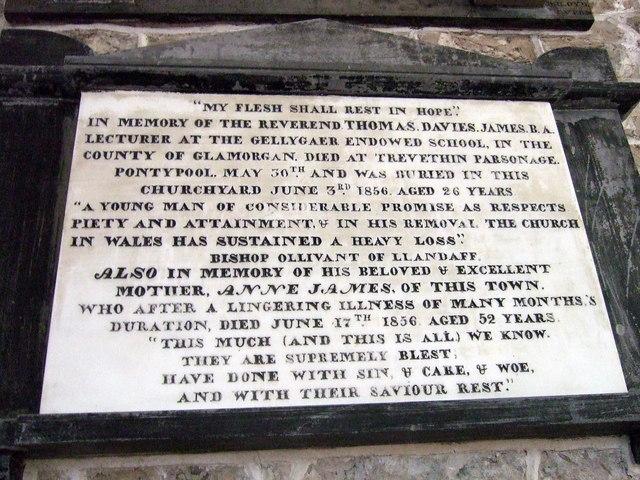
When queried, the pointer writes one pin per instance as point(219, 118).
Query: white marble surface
point(436, 244)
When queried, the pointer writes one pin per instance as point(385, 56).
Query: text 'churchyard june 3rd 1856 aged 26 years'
point(236, 251)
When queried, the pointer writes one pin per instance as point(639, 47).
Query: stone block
point(584, 465)
point(424, 35)
point(158, 37)
point(205, 472)
point(138, 473)
point(221, 471)
point(622, 44)
point(378, 468)
point(54, 474)
point(632, 125)
point(427, 36)
point(104, 41)
point(518, 48)
point(612, 6)
point(274, 471)
point(494, 465)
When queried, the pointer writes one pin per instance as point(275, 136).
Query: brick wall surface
point(617, 28)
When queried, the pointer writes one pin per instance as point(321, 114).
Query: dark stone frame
point(509, 14)
point(38, 86)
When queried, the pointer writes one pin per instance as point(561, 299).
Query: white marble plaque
point(234, 251)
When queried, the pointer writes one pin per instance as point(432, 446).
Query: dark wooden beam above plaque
point(510, 14)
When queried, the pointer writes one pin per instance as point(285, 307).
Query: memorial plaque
point(235, 251)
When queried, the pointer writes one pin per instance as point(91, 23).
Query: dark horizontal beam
point(555, 14)
point(219, 430)
point(559, 91)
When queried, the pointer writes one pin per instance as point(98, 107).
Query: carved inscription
point(234, 251)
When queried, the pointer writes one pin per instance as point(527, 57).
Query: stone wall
point(617, 29)
point(582, 459)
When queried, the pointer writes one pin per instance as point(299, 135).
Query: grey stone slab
point(340, 46)
point(206, 472)
point(277, 471)
point(335, 46)
point(491, 465)
point(222, 471)
point(139, 473)
point(378, 468)
point(54, 474)
point(586, 464)
point(472, 466)
point(585, 64)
